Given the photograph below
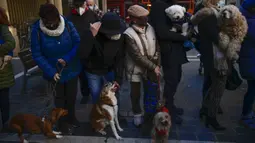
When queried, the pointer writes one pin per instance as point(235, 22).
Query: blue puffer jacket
point(247, 53)
point(46, 50)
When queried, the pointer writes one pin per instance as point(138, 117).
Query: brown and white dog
point(161, 126)
point(106, 111)
point(35, 125)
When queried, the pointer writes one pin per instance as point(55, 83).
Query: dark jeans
point(5, 104)
point(96, 82)
point(84, 84)
point(249, 98)
point(172, 77)
point(66, 97)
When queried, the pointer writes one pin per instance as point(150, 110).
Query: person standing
point(215, 65)
point(103, 56)
point(173, 55)
point(6, 74)
point(246, 64)
point(81, 16)
point(142, 55)
point(92, 6)
point(54, 42)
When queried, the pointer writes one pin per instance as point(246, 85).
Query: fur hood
point(55, 32)
point(203, 13)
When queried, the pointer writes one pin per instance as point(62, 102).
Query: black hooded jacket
point(171, 43)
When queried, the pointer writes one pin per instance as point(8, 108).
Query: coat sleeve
point(120, 65)
point(159, 20)
point(136, 55)
point(212, 30)
point(75, 43)
point(37, 54)
point(88, 40)
point(9, 41)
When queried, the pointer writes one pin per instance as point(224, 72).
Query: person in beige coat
point(141, 53)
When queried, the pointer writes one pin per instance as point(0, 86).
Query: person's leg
point(95, 85)
point(71, 94)
point(172, 77)
point(248, 117)
point(84, 87)
point(60, 103)
point(5, 105)
point(135, 100)
point(249, 99)
point(109, 77)
point(212, 99)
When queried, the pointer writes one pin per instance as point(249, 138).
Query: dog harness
point(161, 132)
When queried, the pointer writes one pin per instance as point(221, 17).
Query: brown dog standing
point(35, 125)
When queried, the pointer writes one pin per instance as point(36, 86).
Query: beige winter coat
point(137, 63)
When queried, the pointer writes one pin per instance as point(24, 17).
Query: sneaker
point(138, 120)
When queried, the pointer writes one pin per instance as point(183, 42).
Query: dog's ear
point(184, 9)
point(168, 10)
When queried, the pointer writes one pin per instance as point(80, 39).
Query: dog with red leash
point(161, 125)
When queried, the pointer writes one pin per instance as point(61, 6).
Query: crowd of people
point(93, 48)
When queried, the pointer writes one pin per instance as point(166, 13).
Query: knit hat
point(49, 12)
point(137, 11)
point(248, 4)
point(111, 24)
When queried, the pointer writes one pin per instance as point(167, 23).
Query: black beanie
point(48, 12)
point(78, 3)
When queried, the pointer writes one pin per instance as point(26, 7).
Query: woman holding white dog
point(142, 55)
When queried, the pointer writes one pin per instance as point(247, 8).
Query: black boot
point(212, 121)
point(220, 111)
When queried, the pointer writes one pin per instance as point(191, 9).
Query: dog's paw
point(120, 129)
point(59, 136)
point(102, 132)
point(25, 141)
point(119, 138)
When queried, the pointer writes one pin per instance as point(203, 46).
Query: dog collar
point(161, 132)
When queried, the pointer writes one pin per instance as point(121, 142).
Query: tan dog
point(233, 28)
point(106, 111)
point(161, 126)
point(36, 125)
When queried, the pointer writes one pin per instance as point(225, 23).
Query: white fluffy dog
point(177, 15)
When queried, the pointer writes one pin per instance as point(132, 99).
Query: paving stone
point(206, 137)
point(226, 138)
point(187, 136)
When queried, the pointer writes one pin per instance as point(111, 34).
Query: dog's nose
point(165, 123)
point(178, 17)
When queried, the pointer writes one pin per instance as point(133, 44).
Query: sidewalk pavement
point(188, 97)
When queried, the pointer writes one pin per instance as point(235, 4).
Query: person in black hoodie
point(173, 54)
point(82, 16)
point(103, 57)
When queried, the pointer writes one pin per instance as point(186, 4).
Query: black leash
point(53, 85)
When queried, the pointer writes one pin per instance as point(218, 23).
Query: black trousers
point(84, 84)
point(5, 104)
point(172, 77)
point(66, 97)
point(206, 84)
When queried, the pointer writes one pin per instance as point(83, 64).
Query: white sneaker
point(138, 119)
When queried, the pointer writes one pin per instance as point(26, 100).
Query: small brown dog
point(36, 125)
point(161, 126)
point(105, 112)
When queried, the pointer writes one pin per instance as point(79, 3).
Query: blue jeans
point(96, 82)
point(249, 98)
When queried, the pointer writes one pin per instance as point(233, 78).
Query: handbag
point(233, 79)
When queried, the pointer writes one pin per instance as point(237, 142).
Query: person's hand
point(62, 62)
point(7, 58)
point(94, 28)
point(56, 77)
point(157, 70)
